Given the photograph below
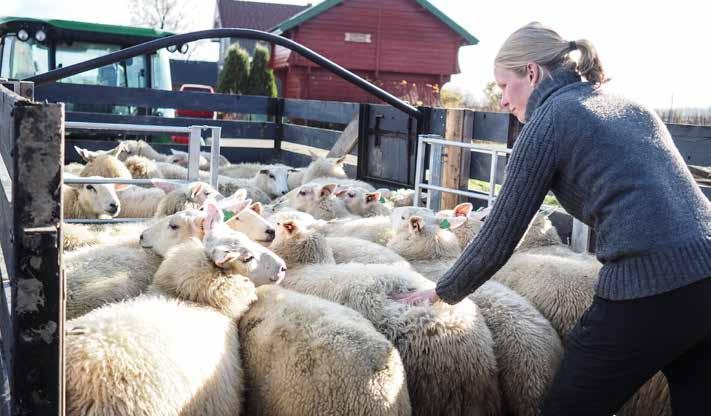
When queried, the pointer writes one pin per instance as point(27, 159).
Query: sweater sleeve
point(529, 175)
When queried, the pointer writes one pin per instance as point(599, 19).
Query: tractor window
point(72, 53)
point(23, 59)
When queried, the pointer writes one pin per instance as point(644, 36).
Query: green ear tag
point(381, 200)
point(444, 225)
point(227, 214)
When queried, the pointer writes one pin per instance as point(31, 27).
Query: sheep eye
point(91, 188)
point(351, 194)
point(247, 259)
point(302, 193)
point(173, 227)
point(272, 176)
point(402, 218)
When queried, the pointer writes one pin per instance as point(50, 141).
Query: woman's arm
point(529, 175)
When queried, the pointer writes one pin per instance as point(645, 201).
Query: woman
point(612, 164)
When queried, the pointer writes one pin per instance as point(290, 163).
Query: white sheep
point(139, 148)
point(355, 250)
point(73, 168)
point(181, 158)
point(141, 167)
point(247, 170)
point(104, 164)
point(306, 356)
point(106, 273)
point(181, 197)
point(528, 349)
point(90, 201)
point(321, 167)
point(447, 350)
point(272, 181)
point(377, 229)
point(139, 202)
point(188, 364)
point(362, 202)
point(319, 201)
point(75, 236)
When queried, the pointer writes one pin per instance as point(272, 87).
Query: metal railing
point(435, 169)
point(193, 173)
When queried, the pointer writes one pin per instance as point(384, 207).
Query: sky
point(656, 54)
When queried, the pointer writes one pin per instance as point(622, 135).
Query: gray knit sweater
point(611, 164)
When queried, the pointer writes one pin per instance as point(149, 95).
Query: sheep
point(106, 273)
point(75, 236)
point(361, 202)
point(305, 356)
point(378, 229)
point(402, 197)
point(141, 358)
point(73, 168)
point(528, 349)
point(90, 201)
point(138, 202)
point(181, 158)
point(295, 177)
point(182, 197)
point(430, 249)
point(354, 250)
point(319, 201)
point(139, 148)
point(104, 164)
point(321, 167)
point(141, 167)
point(247, 170)
point(470, 228)
point(272, 180)
point(447, 350)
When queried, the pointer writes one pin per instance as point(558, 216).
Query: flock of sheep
point(272, 295)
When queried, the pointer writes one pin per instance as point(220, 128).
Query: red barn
point(408, 47)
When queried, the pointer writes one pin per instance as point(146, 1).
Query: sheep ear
point(328, 189)
point(196, 190)
point(223, 255)
point(313, 155)
point(85, 154)
point(166, 187)
point(116, 150)
point(214, 217)
point(372, 198)
point(120, 186)
point(340, 160)
point(233, 208)
point(257, 207)
point(178, 152)
point(290, 226)
point(452, 223)
point(417, 223)
point(463, 210)
point(239, 194)
point(341, 192)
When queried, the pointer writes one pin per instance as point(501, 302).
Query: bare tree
point(169, 15)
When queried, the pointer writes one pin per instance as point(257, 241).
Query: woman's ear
point(533, 72)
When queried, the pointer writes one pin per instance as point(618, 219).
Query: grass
point(482, 186)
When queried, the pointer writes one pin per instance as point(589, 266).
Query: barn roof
point(316, 10)
point(254, 15)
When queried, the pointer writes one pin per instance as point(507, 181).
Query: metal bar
point(477, 195)
point(419, 169)
point(215, 157)
point(434, 198)
point(482, 148)
point(580, 237)
point(107, 221)
point(101, 181)
point(127, 127)
point(154, 45)
point(194, 154)
point(492, 178)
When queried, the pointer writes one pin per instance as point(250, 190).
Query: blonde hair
point(544, 46)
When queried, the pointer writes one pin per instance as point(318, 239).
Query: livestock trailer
point(33, 150)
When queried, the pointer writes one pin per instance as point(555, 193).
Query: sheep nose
point(140, 238)
point(270, 234)
point(113, 208)
point(278, 278)
point(284, 192)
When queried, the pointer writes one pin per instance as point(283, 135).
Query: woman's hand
point(413, 298)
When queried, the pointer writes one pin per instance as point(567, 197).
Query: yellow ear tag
point(227, 214)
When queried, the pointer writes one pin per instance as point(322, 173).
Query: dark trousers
point(618, 345)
